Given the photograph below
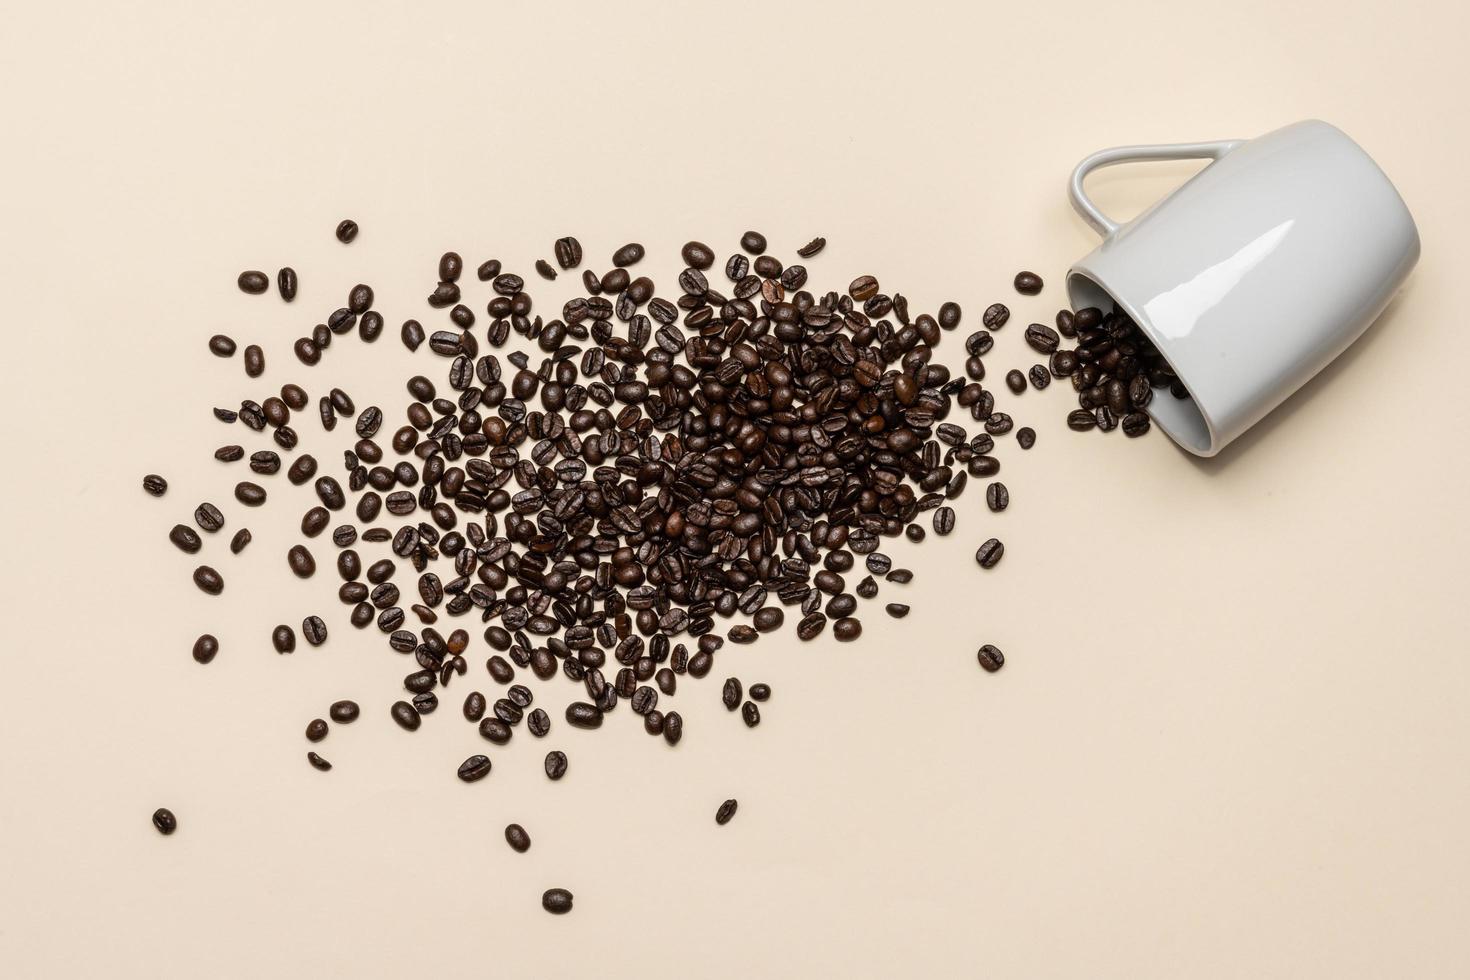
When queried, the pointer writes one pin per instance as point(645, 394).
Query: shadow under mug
point(1253, 275)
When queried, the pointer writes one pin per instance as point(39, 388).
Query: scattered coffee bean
point(205, 648)
point(990, 553)
point(286, 283)
point(209, 581)
point(405, 716)
point(1028, 283)
point(221, 346)
point(991, 658)
point(343, 712)
point(726, 811)
point(346, 231)
point(314, 629)
point(896, 609)
point(185, 538)
point(760, 692)
point(557, 901)
point(283, 638)
point(318, 763)
point(751, 713)
point(732, 693)
point(556, 764)
point(164, 821)
point(253, 282)
point(516, 836)
point(316, 730)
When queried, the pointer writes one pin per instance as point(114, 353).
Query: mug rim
point(1214, 444)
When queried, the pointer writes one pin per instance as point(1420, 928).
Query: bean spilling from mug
point(660, 467)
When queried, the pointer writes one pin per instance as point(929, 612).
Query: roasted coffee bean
point(863, 288)
point(673, 729)
point(557, 901)
point(812, 247)
point(343, 712)
point(318, 763)
point(751, 714)
point(726, 812)
point(1080, 420)
point(1025, 437)
point(896, 609)
point(847, 629)
point(250, 494)
point(301, 562)
point(568, 253)
point(1016, 381)
point(254, 361)
point(990, 553)
point(1028, 283)
point(405, 716)
point(995, 316)
point(1041, 338)
point(208, 517)
point(545, 270)
point(208, 580)
point(221, 346)
point(253, 282)
point(731, 694)
point(164, 821)
point(286, 283)
point(185, 538)
point(556, 764)
point(943, 520)
point(155, 484)
point(991, 658)
point(538, 723)
point(316, 730)
point(205, 648)
point(474, 706)
point(475, 768)
point(580, 714)
point(811, 626)
point(753, 242)
point(283, 638)
point(314, 629)
point(346, 230)
point(1135, 424)
point(997, 497)
point(515, 834)
point(425, 703)
point(628, 254)
point(760, 692)
point(412, 334)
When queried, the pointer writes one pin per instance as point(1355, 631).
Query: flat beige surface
point(1231, 738)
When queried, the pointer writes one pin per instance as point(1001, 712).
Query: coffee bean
point(404, 716)
point(208, 580)
point(474, 706)
point(995, 316)
point(753, 242)
point(943, 520)
point(515, 834)
point(253, 282)
point(580, 714)
point(1025, 437)
point(1041, 338)
point(997, 497)
point(896, 609)
point(155, 485)
point(286, 283)
point(867, 588)
point(185, 538)
point(221, 346)
point(164, 821)
point(673, 727)
point(847, 629)
point(628, 254)
point(760, 692)
point(344, 712)
point(301, 562)
point(990, 553)
point(726, 812)
point(205, 648)
point(283, 638)
point(318, 763)
point(557, 901)
point(346, 230)
point(1080, 420)
point(538, 723)
point(316, 730)
point(568, 253)
point(1028, 283)
point(991, 658)
point(811, 626)
point(556, 764)
point(697, 255)
point(208, 517)
point(425, 703)
point(314, 629)
point(751, 714)
point(1135, 424)
point(812, 247)
point(732, 693)
point(1016, 381)
point(249, 494)
point(863, 288)
point(544, 269)
point(412, 334)
point(254, 361)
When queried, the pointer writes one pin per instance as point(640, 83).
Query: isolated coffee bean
point(286, 283)
point(318, 763)
point(517, 838)
point(314, 629)
point(316, 730)
point(185, 538)
point(556, 764)
point(205, 648)
point(557, 901)
point(253, 282)
point(760, 692)
point(346, 230)
point(997, 497)
point(283, 638)
point(991, 658)
point(155, 485)
point(990, 553)
point(208, 580)
point(1028, 283)
point(221, 346)
point(164, 821)
point(726, 812)
point(301, 562)
point(344, 712)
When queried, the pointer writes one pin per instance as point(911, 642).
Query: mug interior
point(1180, 418)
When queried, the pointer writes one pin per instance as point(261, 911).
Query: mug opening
point(1180, 418)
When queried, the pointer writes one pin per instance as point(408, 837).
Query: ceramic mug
point(1254, 274)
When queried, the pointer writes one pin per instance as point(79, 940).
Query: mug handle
point(1106, 226)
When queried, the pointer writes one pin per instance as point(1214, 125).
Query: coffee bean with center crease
point(1041, 338)
point(557, 901)
point(991, 658)
point(1135, 424)
point(205, 648)
point(726, 812)
point(990, 553)
point(208, 517)
point(155, 484)
point(673, 727)
point(995, 316)
point(568, 252)
point(208, 580)
point(997, 497)
point(314, 629)
point(556, 764)
point(404, 716)
point(517, 838)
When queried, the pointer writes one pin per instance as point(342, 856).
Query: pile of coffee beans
point(667, 474)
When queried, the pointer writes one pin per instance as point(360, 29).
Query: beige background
point(1257, 768)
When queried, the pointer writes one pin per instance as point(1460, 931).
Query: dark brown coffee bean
point(155, 484)
point(286, 283)
point(307, 351)
point(164, 821)
point(475, 768)
point(404, 715)
point(812, 247)
point(346, 230)
point(208, 580)
point(221, 346)
point(750, 713)
point(943, 520)
point(557, 901)
point(1028, 283)
point(580, 714)
point(847, 629)
point(1016, 381)
point(412, 334)
point(995, 316)
point(538, 722)
point(697, 255)
point(863, 288)
point(283, 638)
point(760, 692)
point(726, 812)
point(1025, 437)
point(318, 763)
point(474, 706)
point(208, 517)
point(991, 658)
point(301, 562)
point(185, 538)
point(753, 242)
point(515, 834)
point(344, 712)
point(556, 764)
point(731, 693)
point(673, 727)
point(1135, 424)
point(949, 316)
point(628, 254)
point(250, 494)
point(253, 282)
point(316, 730)
point(1042, 339)
point(568, 252)
point(314, 629)
point(811, 626)
point(990, 553)
point(1080, 420)
point(896, 609)
point(205, 648)
point(997, 497)
point(545, 270)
